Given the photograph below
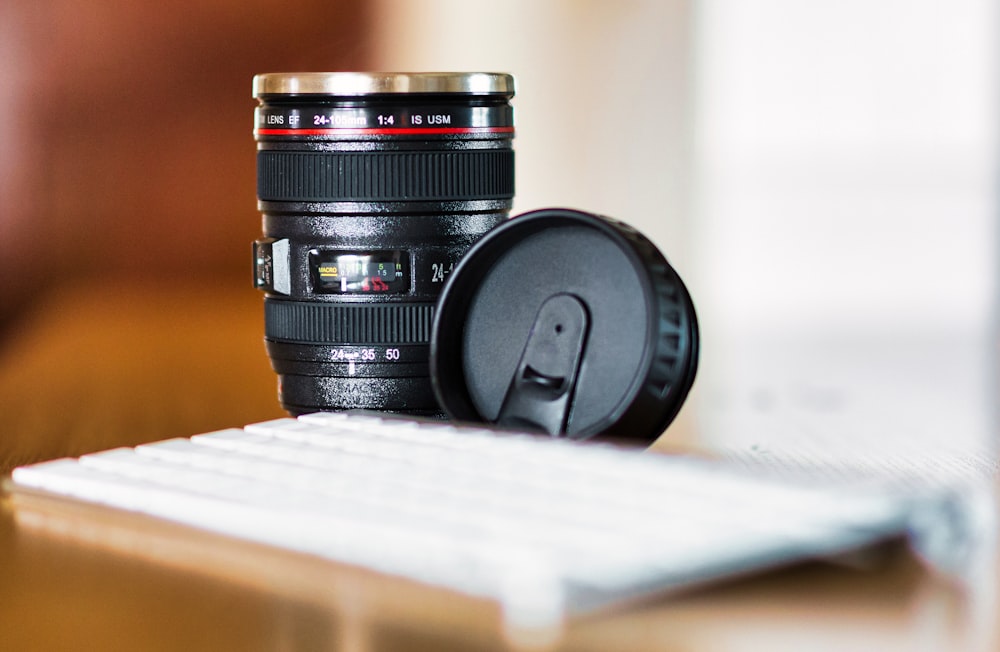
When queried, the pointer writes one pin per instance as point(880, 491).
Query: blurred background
point(822, 175)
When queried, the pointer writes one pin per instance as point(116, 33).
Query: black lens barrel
point(371, 187)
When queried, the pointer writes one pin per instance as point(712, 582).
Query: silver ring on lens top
point(376, 83)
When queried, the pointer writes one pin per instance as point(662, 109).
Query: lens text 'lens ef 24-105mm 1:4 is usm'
point(371, 187)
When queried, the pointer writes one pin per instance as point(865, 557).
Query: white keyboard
point(546, 527)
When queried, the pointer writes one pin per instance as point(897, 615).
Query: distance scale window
point(369, 272)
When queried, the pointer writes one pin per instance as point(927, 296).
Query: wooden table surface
point(91, 371)
point(81, 578)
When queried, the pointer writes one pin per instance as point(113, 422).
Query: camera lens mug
point(371, 187)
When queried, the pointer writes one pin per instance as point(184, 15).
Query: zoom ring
point(385, 176)
point(330, 323)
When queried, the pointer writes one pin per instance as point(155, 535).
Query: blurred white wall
point(847, 163)
point(844, 229)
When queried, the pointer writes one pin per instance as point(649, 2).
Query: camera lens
point(371, 186)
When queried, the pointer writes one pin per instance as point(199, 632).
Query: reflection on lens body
point(371, 187)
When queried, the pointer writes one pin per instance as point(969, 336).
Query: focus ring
point(385, 176)
point(337, 323)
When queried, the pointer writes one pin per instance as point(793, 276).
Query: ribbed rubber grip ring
point(337, 323)
point(385, 176)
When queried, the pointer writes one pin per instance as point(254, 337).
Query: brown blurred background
point(127, 209)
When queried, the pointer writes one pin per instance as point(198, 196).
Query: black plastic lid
point(568, 323)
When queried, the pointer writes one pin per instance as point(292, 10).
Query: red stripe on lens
point(385, 132)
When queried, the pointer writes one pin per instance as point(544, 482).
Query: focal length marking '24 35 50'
point(354, 355)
